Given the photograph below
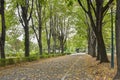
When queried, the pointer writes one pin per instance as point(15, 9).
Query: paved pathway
point(70, 67)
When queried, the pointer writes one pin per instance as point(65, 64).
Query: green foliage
point(68, 53)
point(2, 62)
point(70, 2)
point(17, 54)
point(44, 55)
point(68, 9)
point(33, 57)
point(29, 59)
point(11, 18)
point(10, 61)
point(17, 60)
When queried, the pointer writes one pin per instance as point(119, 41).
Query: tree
point(49, 29)
point(91, 38)
point(3, 32)
point(62, 33)
point(39, 14)
point(54, 32)
point(25, 17)
point(117, 76)
point(37, 18)
point(91, 42)
point(99, 11)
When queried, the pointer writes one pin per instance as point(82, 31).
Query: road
point(69, 67)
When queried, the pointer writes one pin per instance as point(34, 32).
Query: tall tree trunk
point(49, 49)
point(91, 39)
point(3, 34)
point(117, 76)
point(27, 41)
point(24, 20)
point(99, 36)
point(39, 13)
point(91, 43)
point(49, 31)
point(101, 48)
point(48, 38)
point(93, 46)
point(54, 33)
point(62, 46)
point(54, 46)
point(26, 29)
point(98, 53)
point(40, 36)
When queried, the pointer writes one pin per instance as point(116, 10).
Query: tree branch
point(21, 20)
point(33, 27)
point(107, 6)
point(31, 11)
point(93, 8)
point(91, 16)
point(82, 6)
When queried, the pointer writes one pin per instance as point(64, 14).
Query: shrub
point(44, 56)
point(33, 52)
point(68, 53)
point(29, 59)
point(10, 61)
point(2, 62)
point(17, 60)
point(19, 54)
point(33, 58)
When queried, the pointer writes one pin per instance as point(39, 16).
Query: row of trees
point(50, 22)
point(96, 11)
point(39, 19)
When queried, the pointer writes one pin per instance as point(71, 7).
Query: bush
point(33, 57)
point(33, 52)
point(44, 56)
point(10, 61)
point(29, 59)
point(11, 55)
point(17, 60)
point(2, 62)
point(19, 54)
point(68, 53)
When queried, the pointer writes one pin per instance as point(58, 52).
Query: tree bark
point(53, 32)
point(3, 34)
point(48, 37)
point(91, 39)
point(40, 34)
point(27, 41)
point(26, 29)
point(62, 33)
point(101, 48)
point(117, 28)
point(91, 43)
point(39, 13)
point(99, 36)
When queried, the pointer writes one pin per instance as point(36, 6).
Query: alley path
point(69, 67)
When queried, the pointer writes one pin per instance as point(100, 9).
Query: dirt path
point(62, 68)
